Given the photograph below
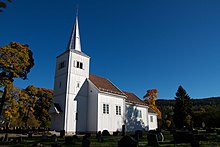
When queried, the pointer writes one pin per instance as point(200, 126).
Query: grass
point(213, 140)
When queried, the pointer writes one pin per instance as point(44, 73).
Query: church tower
point(70, 87)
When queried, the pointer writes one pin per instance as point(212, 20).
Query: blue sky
point(138, 45)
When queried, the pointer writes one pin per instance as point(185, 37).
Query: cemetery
point(209, 137)
point(87, 110)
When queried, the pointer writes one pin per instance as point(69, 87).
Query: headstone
point(105, 133)
point(152, 139)
point(123, 130)
point(62, 133)
point(160, 136)
point(138, 135)
point(6, 137)
point(86, 142)
point(127, 141)
point(99, 137)
point(54, 138)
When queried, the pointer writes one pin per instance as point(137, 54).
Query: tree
point(182, 109)
point(16, 60)
point(43, 105)
point(28, 100)
point(150, 97)
point(11, 106)
point(38, 103)
point(3, 5)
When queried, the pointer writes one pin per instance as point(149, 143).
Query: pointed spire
point(74, 42)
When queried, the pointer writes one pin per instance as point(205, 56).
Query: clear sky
point(136, 44)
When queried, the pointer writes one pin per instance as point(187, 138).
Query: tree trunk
point(3, 99)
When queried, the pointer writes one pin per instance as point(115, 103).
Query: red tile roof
point(132, 98)
point(105, 85)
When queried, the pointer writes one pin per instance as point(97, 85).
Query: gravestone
point(105, 133)
point(160, 136)
point(86, 142)
point(127, 141)
point(54, 138)
point(6, 137)
point(123, 130)
point(99, 137)
point(152, 139)
point(138, 134)
point(62, 133)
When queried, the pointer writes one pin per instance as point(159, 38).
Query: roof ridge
point(105, 84)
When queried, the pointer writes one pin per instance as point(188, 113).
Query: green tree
point(182, 109)
point(16, 60)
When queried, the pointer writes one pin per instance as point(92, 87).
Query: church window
point(61, 65)
point(78, 84)
point(105, 108)
point(79, 65)
point(118, 110)
point(139, 113)
point(151, 119)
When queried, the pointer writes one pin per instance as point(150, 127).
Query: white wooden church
point(85, 102)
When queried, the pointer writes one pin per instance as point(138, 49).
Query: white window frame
point(118, 110)
point(105, 108)
point(151, 119)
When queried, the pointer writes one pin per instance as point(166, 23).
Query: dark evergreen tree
point(182, 109)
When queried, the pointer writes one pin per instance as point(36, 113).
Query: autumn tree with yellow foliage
point(16, 60)
point(11, 106)
point(150, 97)
point(40, 100)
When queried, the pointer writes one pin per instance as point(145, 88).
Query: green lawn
point(213, 140)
